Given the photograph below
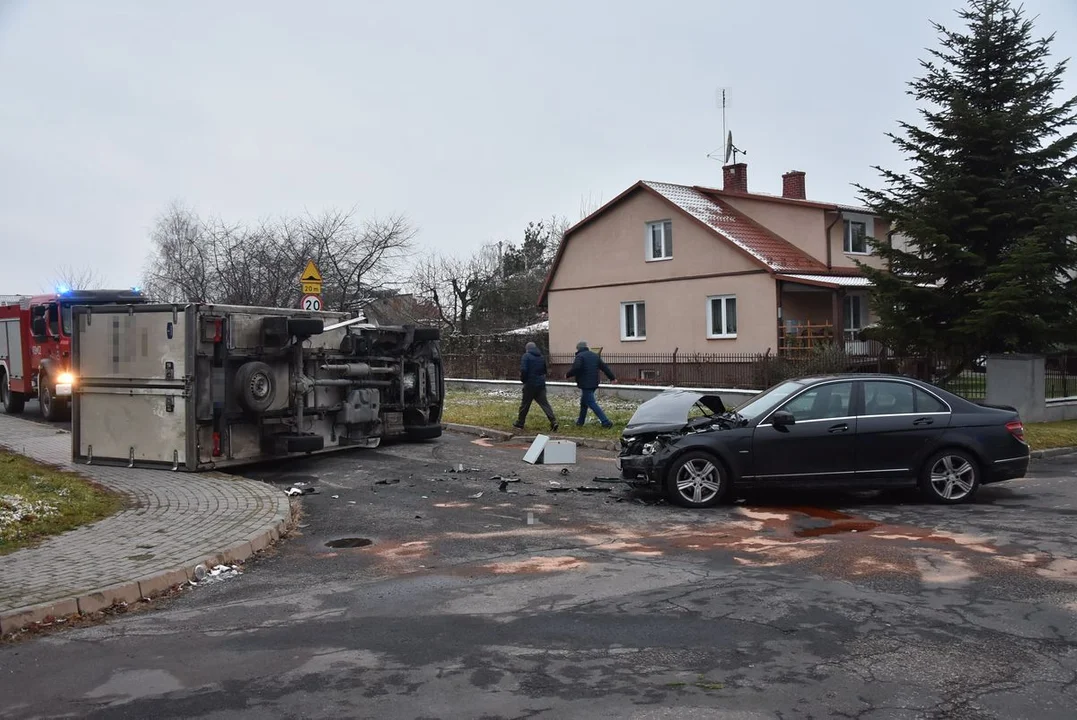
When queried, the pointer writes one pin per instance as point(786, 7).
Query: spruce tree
point(989, 204)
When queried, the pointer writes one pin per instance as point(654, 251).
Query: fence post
point(766, 369)
point(675, 374)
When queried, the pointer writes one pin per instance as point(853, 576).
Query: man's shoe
point(607, 425)
point(518, 426)
point(553, 426)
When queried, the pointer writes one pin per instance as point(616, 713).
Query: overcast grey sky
point(470, 117)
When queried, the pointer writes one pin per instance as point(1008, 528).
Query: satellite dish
point(728, 146)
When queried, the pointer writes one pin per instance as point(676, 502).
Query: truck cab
point(35, 347)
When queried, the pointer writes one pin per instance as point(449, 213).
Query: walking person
point(585, 369)
point(533, 377)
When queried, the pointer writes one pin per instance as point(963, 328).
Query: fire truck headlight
point(65, 379)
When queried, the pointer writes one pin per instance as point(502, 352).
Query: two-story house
point(663, 267)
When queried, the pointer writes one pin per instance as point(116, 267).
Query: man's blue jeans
point(587, 401)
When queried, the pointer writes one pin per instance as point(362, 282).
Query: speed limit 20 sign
point(311, 302)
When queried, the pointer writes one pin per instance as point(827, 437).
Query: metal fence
point(1060, 376)
point(733, 371)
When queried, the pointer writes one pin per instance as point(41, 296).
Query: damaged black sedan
point(863, 432)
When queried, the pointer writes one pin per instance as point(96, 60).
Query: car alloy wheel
point(696, 481)
point(952, 477)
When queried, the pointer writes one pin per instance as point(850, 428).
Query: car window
point(822, 402)
point(928, 403)
point(888, 398)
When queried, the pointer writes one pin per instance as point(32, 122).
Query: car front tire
point(696, 480)
point(53, 408)
point(950, 477)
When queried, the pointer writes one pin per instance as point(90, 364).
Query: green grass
point(1044, 436)
point(497, 410)
point(37, 501)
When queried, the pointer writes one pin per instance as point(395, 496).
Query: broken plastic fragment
point(335, 497)
point(476, 496)
point(199, 572)
point(293, 492)
point(389, 481)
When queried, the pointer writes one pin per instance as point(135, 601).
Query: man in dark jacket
point(585, 369)
point(533, 376)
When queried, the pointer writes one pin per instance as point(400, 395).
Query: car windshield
point(767, 399)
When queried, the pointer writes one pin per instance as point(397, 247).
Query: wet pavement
point(409, 595)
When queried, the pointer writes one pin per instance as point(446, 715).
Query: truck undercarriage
point(201, 386)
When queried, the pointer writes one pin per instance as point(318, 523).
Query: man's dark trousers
point(534, 394)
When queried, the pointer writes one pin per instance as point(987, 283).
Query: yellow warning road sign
point(311, 273)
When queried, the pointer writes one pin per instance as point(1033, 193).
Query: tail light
point(216, 444)
point(1016, 429)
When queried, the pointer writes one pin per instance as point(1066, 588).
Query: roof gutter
point(829, 249)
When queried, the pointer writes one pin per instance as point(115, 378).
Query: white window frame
point(667, 240)
point(846, 236)
point(725, 335)
point(625, 337)
point(848, 329)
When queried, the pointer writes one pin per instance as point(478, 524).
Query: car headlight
point(65, 378)
point(650, 448)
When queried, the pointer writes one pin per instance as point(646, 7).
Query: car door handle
point(923, 421)
point(838, 428)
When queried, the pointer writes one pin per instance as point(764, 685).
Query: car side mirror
point(782, 418)
point(39, 327)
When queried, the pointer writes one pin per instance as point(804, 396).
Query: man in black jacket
point(533, 376)
point(585, 369)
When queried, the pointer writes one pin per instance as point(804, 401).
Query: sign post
point(310, 285)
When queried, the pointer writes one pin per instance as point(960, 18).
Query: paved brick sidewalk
point(176, 520)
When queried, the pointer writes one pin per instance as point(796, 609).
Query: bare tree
point(81, 278)
point(454, 285)
point(211, 261)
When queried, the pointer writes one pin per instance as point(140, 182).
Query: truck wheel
point(13, 402)
point(418, 433)
point(256, 388)
point(52, 408)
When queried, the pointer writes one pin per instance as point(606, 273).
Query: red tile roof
point(773, 251)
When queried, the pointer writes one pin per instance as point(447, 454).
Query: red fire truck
point(35, 347)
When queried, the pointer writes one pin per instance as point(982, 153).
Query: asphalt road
point(529, 604)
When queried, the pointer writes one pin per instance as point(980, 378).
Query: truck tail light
point(217, 331)
point(1017, 429)
point(216, 444)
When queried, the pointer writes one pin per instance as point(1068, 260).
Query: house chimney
point(793, 185)
point(735, 177)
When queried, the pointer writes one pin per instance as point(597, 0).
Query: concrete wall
point(637, 393)
point(1020, 381)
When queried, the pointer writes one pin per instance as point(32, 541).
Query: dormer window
point(660, 240)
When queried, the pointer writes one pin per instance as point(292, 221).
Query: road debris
point(476, 496)
point(216, 574)
point(609, 480)
point(388, 481)
point(335, 497)
point(558, 489)
point(591, 489)
point(459, 468)
point(293, 492)
point(564, 471)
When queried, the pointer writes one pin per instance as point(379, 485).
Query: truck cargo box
point(199, 386)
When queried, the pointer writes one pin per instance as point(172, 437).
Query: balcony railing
point(802, 337)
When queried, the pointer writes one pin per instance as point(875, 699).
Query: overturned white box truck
point(195, 387)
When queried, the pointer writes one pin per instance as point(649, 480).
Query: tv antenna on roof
point(725, 97)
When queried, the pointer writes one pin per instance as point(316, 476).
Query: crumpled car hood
point(668, 412)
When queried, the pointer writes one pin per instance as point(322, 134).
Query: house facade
point(699, 270)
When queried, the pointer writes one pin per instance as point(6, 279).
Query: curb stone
point(1053, 452)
